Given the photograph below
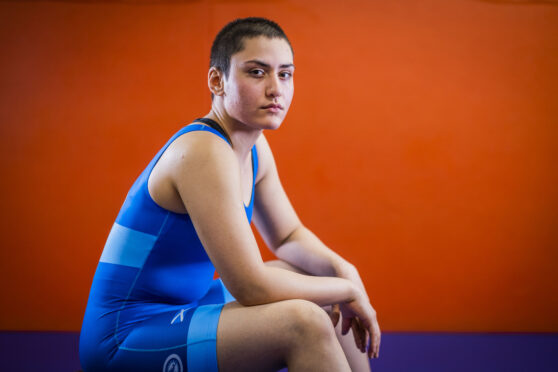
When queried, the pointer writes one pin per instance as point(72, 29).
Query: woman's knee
point(306, 319)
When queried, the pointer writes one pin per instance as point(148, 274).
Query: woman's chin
point(273, 126)
point(267, 124)
point(273, 123)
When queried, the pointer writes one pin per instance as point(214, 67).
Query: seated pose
point(154, 304)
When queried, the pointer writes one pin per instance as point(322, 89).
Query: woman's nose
point(273, 87)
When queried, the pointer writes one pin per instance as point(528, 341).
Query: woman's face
point(259, 89)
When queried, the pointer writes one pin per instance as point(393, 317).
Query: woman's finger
point(359, 334)
point(371, 345)
point(356, 334)
point(335, 314)
point(375, 337)
point(345, 325)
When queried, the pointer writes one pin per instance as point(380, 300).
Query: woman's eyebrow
point(266, 65)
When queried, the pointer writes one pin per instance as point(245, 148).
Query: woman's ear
point(215, 81)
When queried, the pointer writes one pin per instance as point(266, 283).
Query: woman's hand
point(348, 271)
point(360, 316)
point(359, 332)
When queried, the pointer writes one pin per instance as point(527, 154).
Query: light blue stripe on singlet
point(127, 247)
point(202, 339)
point(227, 296)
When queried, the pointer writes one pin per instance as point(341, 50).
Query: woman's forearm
point(305, 250)
point(274, 284)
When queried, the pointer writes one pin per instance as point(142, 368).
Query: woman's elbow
point(250, 293)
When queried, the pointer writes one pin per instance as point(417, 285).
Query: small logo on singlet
point(173, 364)
point(179, 316)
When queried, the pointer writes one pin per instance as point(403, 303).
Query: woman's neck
point(242, 136)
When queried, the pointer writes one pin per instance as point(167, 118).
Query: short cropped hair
point(230, 39)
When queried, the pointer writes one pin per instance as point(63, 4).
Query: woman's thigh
point(260, 338)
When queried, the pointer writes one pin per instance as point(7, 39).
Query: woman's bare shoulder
point(190, 162)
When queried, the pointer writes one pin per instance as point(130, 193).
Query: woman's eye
point(257, 72)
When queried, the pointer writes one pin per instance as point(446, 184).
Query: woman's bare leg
point(293, 333)
point(358, 361)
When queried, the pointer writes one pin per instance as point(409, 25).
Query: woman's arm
point(291, 241)
point(306, 250)
point(284, 233)
point(205, 173)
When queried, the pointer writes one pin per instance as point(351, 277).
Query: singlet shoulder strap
point(254, 162)
point(254, 176)
point(213, 124)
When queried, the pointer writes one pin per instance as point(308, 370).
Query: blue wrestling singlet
point(154, 305)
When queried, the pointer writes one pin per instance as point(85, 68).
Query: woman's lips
point(273, 108)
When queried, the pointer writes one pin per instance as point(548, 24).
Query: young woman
point(154, 304)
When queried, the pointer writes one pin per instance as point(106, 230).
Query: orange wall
point(421, 144)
